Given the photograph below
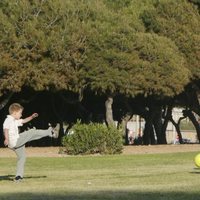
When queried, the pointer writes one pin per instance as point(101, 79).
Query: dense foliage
point(101, 45)
point(145, 51)
point(92, 138)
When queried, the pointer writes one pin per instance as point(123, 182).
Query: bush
point(92, 138)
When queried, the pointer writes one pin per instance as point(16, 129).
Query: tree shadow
point(11, 177)
point(103, 195)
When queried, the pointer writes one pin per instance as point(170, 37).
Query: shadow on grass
point(11, 177)
point(197, 168)
point(196, 171)
point(103, 195)
point(7, 178)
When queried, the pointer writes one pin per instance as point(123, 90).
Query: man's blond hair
point(15, 107)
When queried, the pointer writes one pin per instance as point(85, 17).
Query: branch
point(52, 22)
point(6, 100)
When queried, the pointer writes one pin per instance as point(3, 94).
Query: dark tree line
point(102, 60)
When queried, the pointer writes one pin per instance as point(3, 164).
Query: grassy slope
point(141, 177)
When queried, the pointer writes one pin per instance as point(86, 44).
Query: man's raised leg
point(32, 134)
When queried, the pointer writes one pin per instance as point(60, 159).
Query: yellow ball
point(197, 160)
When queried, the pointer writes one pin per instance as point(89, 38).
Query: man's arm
point(28, 119)
point(5, 137)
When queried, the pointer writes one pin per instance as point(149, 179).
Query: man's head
point(15, 110)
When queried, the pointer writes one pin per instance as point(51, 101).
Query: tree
point(43, 45)
point(125, 60)
point(128, 48)
point(179, 21)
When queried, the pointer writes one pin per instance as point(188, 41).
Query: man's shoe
point(55, 131)
point(18, 179)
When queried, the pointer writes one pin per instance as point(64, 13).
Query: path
point(53, 151)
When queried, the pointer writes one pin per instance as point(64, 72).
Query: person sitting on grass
point(16, 141)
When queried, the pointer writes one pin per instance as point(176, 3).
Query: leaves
point(123, 47)
point(179, 21)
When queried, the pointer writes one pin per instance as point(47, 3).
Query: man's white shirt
point(12, 125)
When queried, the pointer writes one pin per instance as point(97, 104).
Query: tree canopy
point(103, 45)
point(132, 48)
point(42, 43)
point(179, 21)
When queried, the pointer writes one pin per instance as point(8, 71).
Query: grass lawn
point(120, 177)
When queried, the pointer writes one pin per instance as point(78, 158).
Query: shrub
point(92, 138)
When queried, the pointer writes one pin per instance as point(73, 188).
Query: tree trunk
point(193, 120)
point(157, 122)
point(177, 127)
point(166, 120)
point(4, 102)
point(125, 131)
point(124, 126)
point(148, 137)
point(126, 117)
point(192, 99)
point(109, 111)
point(152, 136)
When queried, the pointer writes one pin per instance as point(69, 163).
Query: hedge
point(92, 138)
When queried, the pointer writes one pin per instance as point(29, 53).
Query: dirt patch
point(152, 149)
point(33, 152)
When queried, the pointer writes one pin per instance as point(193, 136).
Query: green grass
point(121, 177)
